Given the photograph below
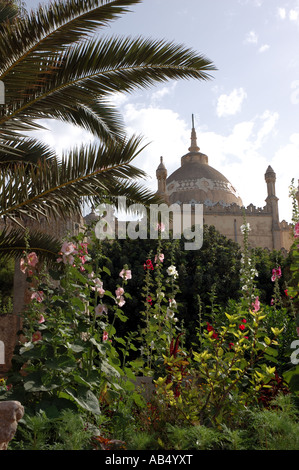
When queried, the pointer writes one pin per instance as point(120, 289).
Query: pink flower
point(119, 291)
point(159, 257)
point(256, 305)
point(41, 319)
point(98, 287)
point(38, 296)
point(125, 274)
point(32, 259)
point(68, 248)
point(296, 230)
point(161, 227)
point(105, 336)
point(120, 301)
point(276, 274)
point(36, 336)
point(100, 310)
point(23, 265)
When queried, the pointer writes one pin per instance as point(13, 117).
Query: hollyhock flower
point(125, 274)
point(210, 328)
point(276, 274)
point(242, 327)
point(120, 301)
point(98, 287)
point(83, 248)
point(256, 305)
point(169, 313)
point(149, 300)
point(161, 227)
point(171, 271)
point(105, 336)
point(172, 303)
point(148, 265)
point(159, 257)
point(296, 230)
point(32, 259)
point(68, 248)
point(23, 265)
point(38, 296)
point(36, 336)
point(272, 302)
point(297, 329)
point(245, 228)
point(41, 319)
point(100, 310)
point(119, 291)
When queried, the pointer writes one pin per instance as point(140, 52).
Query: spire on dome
point(193, 147)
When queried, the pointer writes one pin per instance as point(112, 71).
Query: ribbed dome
point(197, 182)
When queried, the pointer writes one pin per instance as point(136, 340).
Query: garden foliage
point(74, 354)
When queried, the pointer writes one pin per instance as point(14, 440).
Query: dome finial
point(193, 147)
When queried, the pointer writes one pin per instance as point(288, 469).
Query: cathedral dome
point(196, 182)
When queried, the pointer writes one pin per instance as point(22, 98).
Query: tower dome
point(197, 182)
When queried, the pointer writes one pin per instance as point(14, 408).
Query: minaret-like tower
point(272, 203)
point(193, 147)
point(161, 174)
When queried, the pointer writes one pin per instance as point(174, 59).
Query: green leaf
point(85, 398)
point(106, 270)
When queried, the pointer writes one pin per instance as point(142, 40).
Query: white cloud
point(228, 105)
point(282, 13)
point(293, 15)
point(268, 123)
point(251, 38)
point(164, 91)
point(264, 48)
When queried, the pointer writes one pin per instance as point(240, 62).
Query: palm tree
point(54, 63)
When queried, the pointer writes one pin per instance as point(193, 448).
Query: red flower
point(148, 265)
point(210, 328)
point(242, 327)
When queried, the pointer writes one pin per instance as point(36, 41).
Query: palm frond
point(13, 242)
point(24, 150)
point(53, 27)
point(57, 188)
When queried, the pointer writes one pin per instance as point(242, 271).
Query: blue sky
point(246, 117)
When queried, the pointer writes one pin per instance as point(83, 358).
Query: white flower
point(245, 228)
point(171, 271)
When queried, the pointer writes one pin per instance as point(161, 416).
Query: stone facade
point(196, 182)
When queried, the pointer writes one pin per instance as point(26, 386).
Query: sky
point(246, 117)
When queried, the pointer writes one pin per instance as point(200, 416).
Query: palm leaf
point(88, 174)
point(13, 242)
